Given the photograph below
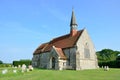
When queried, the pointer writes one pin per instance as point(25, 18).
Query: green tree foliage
point(118, 57)
point(108, 57)
point(118, 61)
point(1, 62)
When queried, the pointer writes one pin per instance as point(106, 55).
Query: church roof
point(65, 41)
point(60, 53)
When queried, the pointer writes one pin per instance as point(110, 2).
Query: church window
point(86, 51)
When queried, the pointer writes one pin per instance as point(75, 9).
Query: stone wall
point(43, 61)
point(70, 53)
point(81, 61)
point(35, 60)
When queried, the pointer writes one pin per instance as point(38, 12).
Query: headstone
point(19, 66)
point(15, 66)
point(30, 67)
point(14, 71)
point(12, 66)
point(4, 71)
point(107, 68)
point(102, 67)
point(23, 68)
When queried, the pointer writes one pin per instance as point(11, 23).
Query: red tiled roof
point(65, 41)
point(60, 53)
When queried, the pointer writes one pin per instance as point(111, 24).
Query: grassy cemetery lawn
point(39, 74)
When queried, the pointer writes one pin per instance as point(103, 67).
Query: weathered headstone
point(14, 71)
point(107, 68)
point(23, 68)
point(30, 67)
point(4, 71)
point(19, 66)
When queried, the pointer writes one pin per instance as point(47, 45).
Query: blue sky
point(25, 24)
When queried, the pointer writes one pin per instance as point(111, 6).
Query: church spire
point(73, 20)
point(73, 24)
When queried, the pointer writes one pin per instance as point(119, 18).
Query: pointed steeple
point(73, 24)
point(73, 20)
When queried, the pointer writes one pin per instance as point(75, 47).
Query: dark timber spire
point(73, 20)
point(73, 24)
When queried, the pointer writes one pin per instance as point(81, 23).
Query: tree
point(118, 57)
point(1, 62)
point(108, 57)
point(118, 61)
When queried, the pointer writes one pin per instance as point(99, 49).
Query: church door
point(53, 63)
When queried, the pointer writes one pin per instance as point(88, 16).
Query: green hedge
point(21, 62)
point(5, 65)
point(111, 64)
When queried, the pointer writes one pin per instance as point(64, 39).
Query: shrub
point(21, 62)
point(111, 64)
point(5, 65)
point(1, 62)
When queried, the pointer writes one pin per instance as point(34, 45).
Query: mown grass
point(39, 74)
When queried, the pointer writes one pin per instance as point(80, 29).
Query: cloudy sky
point(25, 24)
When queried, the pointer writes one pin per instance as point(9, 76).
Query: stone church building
point(70, 51)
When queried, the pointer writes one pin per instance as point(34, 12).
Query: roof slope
point(62, 42)
point(60, 52)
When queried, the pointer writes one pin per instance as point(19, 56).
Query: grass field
point(39, 74)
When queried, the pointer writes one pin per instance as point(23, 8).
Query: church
point(74, 51)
